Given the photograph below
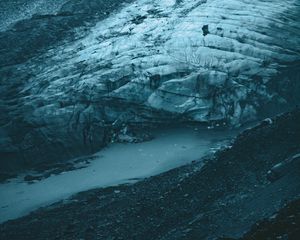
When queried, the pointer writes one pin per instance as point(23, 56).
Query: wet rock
point(139, 19)
point(267, 121)
point(6, 176)
point(125, 136)
point(205, 30)
point(285, 167)
point(285, 225)
point(31, 178)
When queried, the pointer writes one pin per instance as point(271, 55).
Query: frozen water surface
point(116, 164)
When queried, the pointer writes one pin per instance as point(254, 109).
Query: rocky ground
point(12, 11)
point(70, 79)
point(227, 197)
point(282, 225)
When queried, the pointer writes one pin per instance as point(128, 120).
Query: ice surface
point(116, 164)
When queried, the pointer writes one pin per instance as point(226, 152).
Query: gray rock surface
point(70, 80)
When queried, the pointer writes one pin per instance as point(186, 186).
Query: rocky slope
point(221, 199)
point(283, 225)
point(70, 80)
point(12, 11)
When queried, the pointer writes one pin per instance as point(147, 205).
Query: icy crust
point(155, 61)
point(156, 53)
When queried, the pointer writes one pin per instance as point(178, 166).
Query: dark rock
point(6, 176)
point(138, 20)
point(284, 225)
point(130, 135)
point(31, 178)
point(284, 167)
point(205, 30)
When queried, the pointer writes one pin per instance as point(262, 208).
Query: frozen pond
point(116, 164)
